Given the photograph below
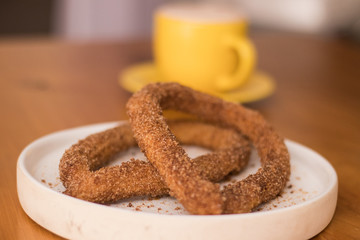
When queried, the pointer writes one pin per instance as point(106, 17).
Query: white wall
point(313, 16)
point(119, 19)
point(104, 19)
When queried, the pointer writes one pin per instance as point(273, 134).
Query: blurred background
point(129, 19)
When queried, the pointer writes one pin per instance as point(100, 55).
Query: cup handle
point(246, 62)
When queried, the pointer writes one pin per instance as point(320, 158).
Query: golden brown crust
point(198, 195)
point(84, 177)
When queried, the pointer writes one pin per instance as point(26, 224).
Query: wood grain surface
point(48, 85)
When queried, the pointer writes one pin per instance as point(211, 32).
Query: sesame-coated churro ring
point(198, 195)
point(84, 177)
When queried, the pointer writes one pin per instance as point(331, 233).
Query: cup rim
point(192, 9)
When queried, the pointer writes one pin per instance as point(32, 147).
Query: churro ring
point(198, 195)
point(83, 175)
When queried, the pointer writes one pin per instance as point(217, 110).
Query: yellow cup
point(202, 46)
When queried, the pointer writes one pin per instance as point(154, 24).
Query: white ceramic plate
point(304, 209)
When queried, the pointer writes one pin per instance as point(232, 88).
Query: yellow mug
point(202, 46)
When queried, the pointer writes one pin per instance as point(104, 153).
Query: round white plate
point(304, 209)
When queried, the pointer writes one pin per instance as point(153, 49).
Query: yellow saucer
point(259, 86)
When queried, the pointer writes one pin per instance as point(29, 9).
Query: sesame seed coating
point(198, 195)
point(85, 176)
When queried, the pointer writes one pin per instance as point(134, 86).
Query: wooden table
point(49, 85)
